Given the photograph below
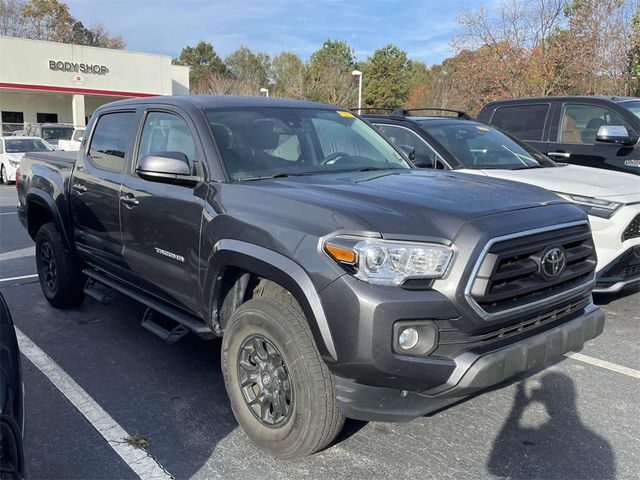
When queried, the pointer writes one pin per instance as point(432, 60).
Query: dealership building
point(47, 82)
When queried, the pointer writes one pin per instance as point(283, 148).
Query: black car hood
point(405, 204)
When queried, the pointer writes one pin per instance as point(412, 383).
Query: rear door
point(528, 122)
point(95, 189)
point(573, 136)
point(161, 221)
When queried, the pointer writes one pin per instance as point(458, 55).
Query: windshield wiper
point(265, 177)
point(526, 167)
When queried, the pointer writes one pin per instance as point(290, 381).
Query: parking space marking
point(23, 277)
point(614, 367)
point(8, 213)
point(143, 464)
point(23, 252)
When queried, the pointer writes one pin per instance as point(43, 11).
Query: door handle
point(559, 154)
point(78, 187)
point(129, 201)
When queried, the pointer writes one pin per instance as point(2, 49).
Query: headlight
point(14, 163)
point(383, 262)
point(593, 206)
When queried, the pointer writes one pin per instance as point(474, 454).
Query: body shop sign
point(60, 66)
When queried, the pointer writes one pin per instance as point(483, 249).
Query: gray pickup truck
point(343, 282)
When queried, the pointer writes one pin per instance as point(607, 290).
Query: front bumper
point(474, 371)
point(622, 272)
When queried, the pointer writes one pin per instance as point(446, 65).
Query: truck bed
point(60, 159)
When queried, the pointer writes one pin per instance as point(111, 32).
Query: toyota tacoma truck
point(343, 281)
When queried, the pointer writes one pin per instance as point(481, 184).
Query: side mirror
point(166, 167)
point(423, 162)
point(615, 134)
point(409, 151)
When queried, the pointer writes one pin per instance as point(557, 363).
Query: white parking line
point(9, 213)
point(23, 252)
point(614, 367)
point(145, 466)
point(23, 277)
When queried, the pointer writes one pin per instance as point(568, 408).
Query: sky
point(423, 28)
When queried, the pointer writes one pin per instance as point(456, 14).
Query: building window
point(47, 117)
point(12, 117)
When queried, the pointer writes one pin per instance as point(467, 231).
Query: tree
point(50, 20)
point(287, 73)
point(634, 54)
point(422, 92)
point(386, 77)
point(328, 76)
point(249, 67)
point(203, 61)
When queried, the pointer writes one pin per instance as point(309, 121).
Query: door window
point(403, 136)
point(524, 121)
point(165, 132)
point(580, 123)
point(110, 140)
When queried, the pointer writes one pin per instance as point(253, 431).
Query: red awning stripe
point(82, 91)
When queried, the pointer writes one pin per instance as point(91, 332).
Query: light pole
point(265, 91)
point(358, 73)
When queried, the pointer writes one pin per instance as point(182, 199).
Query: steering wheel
point(333, 157)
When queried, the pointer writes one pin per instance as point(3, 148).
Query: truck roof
point(609, 98)
point(224, 101)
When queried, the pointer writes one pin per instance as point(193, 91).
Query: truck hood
point(407, 204)
point(576, 180)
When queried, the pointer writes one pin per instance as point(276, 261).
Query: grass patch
point(138, 441)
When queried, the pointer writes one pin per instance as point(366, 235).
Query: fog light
point(408, 338)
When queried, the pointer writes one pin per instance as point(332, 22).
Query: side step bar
point(187, 321)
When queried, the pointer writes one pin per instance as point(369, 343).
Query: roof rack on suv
point(404, 112)
point(373, 109)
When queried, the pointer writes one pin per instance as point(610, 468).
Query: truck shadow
point(560, 448)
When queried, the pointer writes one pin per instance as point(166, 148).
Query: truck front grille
point(520, 270)
point(632, 230)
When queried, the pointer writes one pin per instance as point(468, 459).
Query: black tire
point(3, 176)
point(59, 272)
point(313, 419)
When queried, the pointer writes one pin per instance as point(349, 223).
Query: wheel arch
point(41, 209)
point(232, 264)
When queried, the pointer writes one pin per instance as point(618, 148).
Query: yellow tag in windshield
point(483, 129)
point(342, 113)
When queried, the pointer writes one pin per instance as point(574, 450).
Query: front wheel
point(59, 272)
point(3, 176)
point(280, 389)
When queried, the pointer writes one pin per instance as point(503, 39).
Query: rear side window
point(524, 121)
point(110, 140)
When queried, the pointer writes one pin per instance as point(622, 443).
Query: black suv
point(600, 132)
point(343, 281)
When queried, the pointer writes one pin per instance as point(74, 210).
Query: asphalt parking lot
point(577, 418)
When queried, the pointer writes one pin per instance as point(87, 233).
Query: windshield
point(266, 142)
point(483, 147)
point(57, 133)
point(633, 106)
point(22, 145)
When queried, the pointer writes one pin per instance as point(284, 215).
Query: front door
point(95, 189)
point(161, 221)
point(574, 138)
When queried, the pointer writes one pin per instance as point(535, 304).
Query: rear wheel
point(280, 389)
point(59, 272)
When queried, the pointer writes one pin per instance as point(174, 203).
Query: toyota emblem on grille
point(553, 262)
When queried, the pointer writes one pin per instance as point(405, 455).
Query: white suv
point(12, 149)
point(611, 199)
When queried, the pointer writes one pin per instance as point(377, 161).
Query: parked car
point(611, 199)
point(51, 132)
point(343, 281)
point(11, 400)
point(599, 132)
point(73, 144)
point(12, 149)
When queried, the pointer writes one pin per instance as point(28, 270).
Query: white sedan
point(611, 199)
point(12, 149)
